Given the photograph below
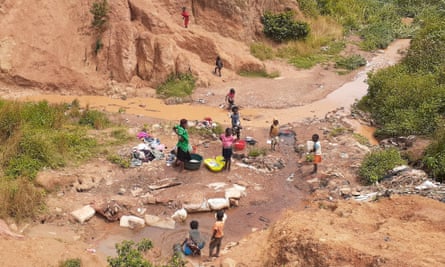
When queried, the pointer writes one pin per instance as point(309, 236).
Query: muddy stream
point(249, 216)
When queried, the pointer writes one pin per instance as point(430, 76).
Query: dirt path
point(295, 95)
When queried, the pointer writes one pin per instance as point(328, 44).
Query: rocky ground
point(283, 215)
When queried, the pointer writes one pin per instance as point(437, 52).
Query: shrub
point(434, 159)
point(257, 151)
point(404, 103)
point(43, 115)
point(128, 254)
point(94, 118)
point(282, 27)
point(71, 263)
point(376, 164)
point(99, 9)
point(179, 85)
point(350, 63)
point(20, 199)
point(123, 162)
point(427, 48)
point(10, 119)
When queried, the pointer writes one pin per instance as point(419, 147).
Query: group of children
point(194, 242)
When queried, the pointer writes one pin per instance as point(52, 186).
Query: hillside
point(52, 45)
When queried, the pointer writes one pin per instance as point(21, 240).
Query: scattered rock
point(131, 221)
point(83, 214)
point(155, 221)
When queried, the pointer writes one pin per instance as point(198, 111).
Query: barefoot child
point(273, 134)
point(227, 143)
point(217, 234)
point(317, 152)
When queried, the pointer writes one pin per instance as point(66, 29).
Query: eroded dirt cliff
point(52, 45)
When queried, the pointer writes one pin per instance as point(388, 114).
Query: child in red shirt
point(185, 16)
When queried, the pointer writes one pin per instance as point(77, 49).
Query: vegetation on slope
point(409, 98)
point(34, 136)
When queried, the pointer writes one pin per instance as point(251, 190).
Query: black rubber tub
point(194, 163)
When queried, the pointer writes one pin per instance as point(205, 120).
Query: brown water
point(241, 220)
point(343, 97)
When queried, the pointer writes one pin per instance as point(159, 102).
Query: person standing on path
point(217, 234)
point(317, 152)
point(236, 123)
point(273, 134)
point(218, 66)
point(227, 143)
point(183, 153)
point(185, 16)
point(230, 99)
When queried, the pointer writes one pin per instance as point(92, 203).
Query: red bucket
point(239, 145)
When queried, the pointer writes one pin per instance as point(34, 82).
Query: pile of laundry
point(149, 149)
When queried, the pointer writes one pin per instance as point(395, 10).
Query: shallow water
point(243, 219)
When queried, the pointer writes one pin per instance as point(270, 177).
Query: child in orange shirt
point(217, 235)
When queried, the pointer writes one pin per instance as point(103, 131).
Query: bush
point(123, 162)
point(376, 164)
point(282, 27)
point(99, 9)
point(71, 263)
point(350, 63)
point(427, 48)
point(404, 103)
point(257, 151)
point(434, 159)
point(128, 255)
point(179, 85)
point(20, 199)
point(94, 118)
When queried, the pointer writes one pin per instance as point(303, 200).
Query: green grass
point(34, 136)
point(71, 263)
point(307, 62)
point(350, 63)
point(257, 151)
point(361, 139)
point(180, 85)
point(261, 51)
point(259, 73)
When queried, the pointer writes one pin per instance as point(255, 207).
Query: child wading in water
point(227, 142)
point(273, 134)
point(317, 152)
point(217, 234)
